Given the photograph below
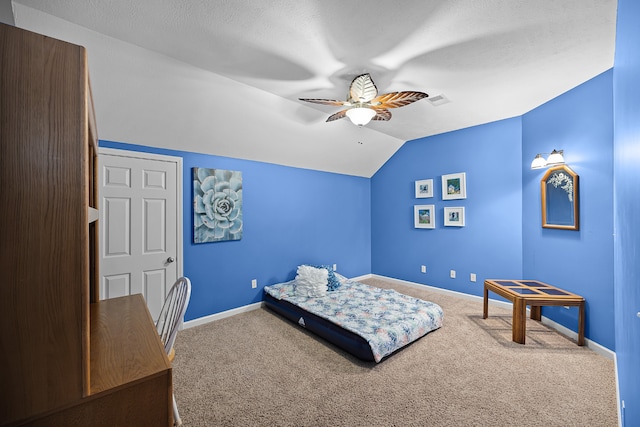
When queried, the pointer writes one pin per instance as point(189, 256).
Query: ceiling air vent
point(438, 100)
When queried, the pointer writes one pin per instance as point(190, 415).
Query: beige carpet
point(259, 369)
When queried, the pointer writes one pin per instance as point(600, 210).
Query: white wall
point(6, 12)
point(142, 97)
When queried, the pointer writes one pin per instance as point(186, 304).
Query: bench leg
point(581, 325)
point(485, 308)
point(536, 312)
point(519, 320)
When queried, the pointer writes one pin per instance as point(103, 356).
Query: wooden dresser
point(67, 358)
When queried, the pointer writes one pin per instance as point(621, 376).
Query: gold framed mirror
point(559, 191)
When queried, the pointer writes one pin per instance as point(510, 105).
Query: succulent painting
point(217, 205)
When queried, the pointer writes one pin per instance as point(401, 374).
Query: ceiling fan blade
point(382, 114)
point(362, 89)
point(397, 99)
point(337, 116)
point(324, 101)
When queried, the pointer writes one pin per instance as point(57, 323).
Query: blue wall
point(503, 236)
point(291, 216)
point(581, 122)
point(627, 207)
point(490, 244)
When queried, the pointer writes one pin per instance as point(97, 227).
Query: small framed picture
point(424, 188)
point(454, 186)
point(424, 216)
point(454, 217)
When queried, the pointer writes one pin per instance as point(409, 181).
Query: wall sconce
point(556, 157)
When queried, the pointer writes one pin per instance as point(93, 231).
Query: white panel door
point(140, 225)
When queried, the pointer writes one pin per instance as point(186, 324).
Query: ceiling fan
point(364, 104)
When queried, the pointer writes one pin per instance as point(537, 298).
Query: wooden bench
point(534, 294)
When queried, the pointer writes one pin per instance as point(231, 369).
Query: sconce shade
point(360, 115)
point(555, 158)
point(539, 162)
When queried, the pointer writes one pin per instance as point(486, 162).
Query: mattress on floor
point(370, 323)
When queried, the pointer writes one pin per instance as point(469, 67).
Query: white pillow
point(311, 281)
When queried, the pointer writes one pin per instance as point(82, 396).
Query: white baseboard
point(503, 304)
point(364, 276)
point(603, 351)
point(223, 314)
point(600, 349)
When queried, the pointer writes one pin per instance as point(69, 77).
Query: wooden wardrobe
point(65, 357)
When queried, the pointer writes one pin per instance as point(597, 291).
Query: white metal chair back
point(172, 313)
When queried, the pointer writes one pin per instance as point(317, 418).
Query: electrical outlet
point(423, 268)
point(472, 277)
point(254, 283)
point(452, 274)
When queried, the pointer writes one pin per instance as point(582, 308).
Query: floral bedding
point(387, 319)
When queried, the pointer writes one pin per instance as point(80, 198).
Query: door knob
point(170, 259)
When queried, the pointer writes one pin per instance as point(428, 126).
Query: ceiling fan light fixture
point(364, 103)
point(360, 116)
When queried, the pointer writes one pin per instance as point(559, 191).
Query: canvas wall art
point(217, 205)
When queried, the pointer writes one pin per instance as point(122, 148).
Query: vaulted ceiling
point(480, 61)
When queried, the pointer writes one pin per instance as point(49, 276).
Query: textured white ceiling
point(491, 59)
